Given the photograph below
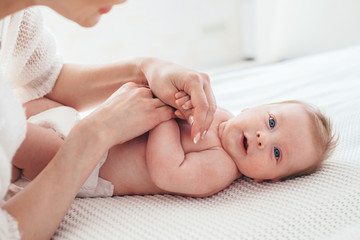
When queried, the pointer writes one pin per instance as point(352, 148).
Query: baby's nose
point(260, 140)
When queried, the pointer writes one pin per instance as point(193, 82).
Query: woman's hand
point(130, 112)
point(166, 79)
point(82, 87)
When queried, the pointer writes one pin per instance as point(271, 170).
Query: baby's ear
point(258, 180)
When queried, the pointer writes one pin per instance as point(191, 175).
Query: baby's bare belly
point(126, 168)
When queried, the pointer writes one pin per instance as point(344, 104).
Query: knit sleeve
point(12, 133)
point(8, 226)
point(28, 56)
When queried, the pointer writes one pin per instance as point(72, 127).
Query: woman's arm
point(40, 207)
point(167, 79)
point(195, 173)
point(85, 86)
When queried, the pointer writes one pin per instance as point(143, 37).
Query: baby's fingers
point(179, 114)
point(180, 94)
point(181, 101)
point(187, 105)
point(184, 106)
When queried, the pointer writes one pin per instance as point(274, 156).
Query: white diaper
point(96, 186)
point(62, 120)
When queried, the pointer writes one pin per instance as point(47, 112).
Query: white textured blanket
point(323, 205)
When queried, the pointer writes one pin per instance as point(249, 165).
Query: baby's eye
point(272, 122)
point(276, 153)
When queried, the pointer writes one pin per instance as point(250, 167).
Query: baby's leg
point(36, 151)
point(26, 159)
point(39, 105)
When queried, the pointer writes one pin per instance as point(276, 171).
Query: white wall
point(208, 33)
point(200, 33)
point(282, 29)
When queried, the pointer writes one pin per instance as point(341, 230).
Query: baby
point(267, 142)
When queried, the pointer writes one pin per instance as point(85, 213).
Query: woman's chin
point(89, 22)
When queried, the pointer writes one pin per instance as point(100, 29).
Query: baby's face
point(271, 141)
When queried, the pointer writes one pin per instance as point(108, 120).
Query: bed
point(323, 205)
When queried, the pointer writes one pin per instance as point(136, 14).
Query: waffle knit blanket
point(324, 205)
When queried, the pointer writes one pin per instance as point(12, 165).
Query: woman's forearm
point(41, 206)
point(85, 86)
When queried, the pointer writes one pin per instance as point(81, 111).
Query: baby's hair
point(322, 133)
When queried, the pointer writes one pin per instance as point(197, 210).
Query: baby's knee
point(36, 106)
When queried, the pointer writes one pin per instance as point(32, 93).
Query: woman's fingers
point(211, 109)
point(171, 82)
point(198, 107)
point(130, 112)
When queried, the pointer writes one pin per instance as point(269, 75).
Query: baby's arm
point(195, 173)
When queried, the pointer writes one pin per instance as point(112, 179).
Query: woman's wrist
point(146, 66)
point(90, 131)
point(157, 70)
point(139, 72)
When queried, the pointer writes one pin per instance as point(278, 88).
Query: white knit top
point(29, 68)
point(28, 59)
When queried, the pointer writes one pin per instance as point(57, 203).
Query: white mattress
point(320, 206)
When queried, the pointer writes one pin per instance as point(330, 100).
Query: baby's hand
point(183, 101)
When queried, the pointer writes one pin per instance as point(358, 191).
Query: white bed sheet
point(319, 206)
point(330, 81)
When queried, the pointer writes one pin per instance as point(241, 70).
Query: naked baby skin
point(267, 142)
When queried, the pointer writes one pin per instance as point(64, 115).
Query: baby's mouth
point(245, 144)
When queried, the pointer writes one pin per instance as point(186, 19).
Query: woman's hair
point(322, 133)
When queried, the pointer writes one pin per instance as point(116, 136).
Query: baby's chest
point(211, 139)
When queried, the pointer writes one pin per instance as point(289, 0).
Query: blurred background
point(208, 34)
